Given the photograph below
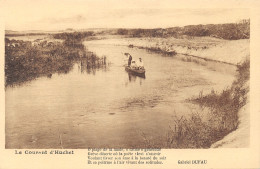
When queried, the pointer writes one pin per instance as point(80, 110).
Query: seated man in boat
point(134, 65)
point(140, 64)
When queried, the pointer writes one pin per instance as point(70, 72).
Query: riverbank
point(208, 48)
point(239, 138)
point(231, 108)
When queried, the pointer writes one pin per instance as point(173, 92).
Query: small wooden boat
point(135, 71)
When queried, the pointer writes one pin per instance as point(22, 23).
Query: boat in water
point(135, 71)
point(133, 67)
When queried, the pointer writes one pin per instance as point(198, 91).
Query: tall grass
point(195, 132)
point(190, 132)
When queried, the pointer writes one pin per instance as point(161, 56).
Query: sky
point(82, 14)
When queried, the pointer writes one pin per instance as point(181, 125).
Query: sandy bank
point(240, 137)
point(232, 52)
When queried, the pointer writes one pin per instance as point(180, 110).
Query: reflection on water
point(132, 78)
point(106, 106)
point(85, 67)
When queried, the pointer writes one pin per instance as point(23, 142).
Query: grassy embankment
point(25, 61)
point(196, 132)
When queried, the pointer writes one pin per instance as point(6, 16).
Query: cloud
point(51, 14)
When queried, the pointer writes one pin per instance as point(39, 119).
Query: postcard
point(129, 84)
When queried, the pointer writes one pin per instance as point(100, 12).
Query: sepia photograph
point(98, 76)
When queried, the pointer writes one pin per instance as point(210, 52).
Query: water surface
point(107, 107)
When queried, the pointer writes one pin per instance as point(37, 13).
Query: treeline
point(75, 36)
point(24, 34)
point(73, 39)
point(230, 31)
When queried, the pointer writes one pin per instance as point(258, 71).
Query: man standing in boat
point(129, 59)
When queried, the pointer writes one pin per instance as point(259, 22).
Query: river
point(108, 107)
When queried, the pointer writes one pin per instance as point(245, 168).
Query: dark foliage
point(231, 31)
point(24, 34)
point(73, 37)
point(25, 60)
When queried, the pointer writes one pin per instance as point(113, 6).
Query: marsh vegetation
point(26, 60)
